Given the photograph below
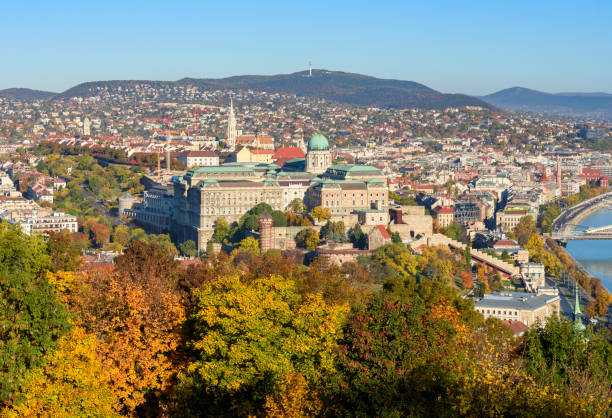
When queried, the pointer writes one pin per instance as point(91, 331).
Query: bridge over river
point(599, 233)
point(565, 225)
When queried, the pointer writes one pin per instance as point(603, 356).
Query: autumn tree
point(71, 382)
point(249, 337)
point(396, 359)
point(307, 238)
point(100, 234)
point(297, 206)
point(64, 252)
point(143, 261)
point(320, 213)
point(137, 321)
point(524, 229)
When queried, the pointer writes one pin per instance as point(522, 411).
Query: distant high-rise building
point(231, 127)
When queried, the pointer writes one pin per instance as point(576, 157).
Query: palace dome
point(318, 143)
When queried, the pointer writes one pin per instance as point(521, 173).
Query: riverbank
point(600, 298)
point(573, 216)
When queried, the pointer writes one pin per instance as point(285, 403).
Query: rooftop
point(514, 300)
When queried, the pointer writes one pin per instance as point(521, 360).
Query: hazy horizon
point(477, 48)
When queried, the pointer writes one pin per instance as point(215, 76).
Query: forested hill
point(335, 86)
point(348, 88)
point(25, 94)
point(593, 105)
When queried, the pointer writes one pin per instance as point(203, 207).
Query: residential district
point(215, 168)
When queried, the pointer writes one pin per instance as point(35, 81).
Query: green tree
point(31, 317)
point(398, 359)
point(188, 248)
point(279, 218)
point(249, 245)
point(210, 250)
point(22, 253)
point(358, 237)
point(297, 206)
point(454, 231)
point(222, 230)
point(121, 235)
point(555, 353)
point(468, 255)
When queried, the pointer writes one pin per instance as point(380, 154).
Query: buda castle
point(204, 194)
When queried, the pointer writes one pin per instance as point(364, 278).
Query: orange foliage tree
point(138, 326)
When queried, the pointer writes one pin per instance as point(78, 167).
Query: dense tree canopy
point(265, 335)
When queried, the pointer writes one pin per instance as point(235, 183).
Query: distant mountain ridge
point(25, 94)
point(591, 105)
point(355, 89)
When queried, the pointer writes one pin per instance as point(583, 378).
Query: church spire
point(231, 127)
point(578, 325)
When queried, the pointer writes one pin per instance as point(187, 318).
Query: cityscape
point(315, 243)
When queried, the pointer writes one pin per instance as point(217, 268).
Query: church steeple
point(578, 325)
point(231, 127)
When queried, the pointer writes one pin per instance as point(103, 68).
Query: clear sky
point(474, 47)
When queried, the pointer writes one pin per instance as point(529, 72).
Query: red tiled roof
point(505, 242)
point(261, 151)
point(445, 209)
point(201, 154)
point(383, 231)
point(288, 153)
point(517, 327)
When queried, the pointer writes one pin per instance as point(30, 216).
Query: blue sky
point(473, 47)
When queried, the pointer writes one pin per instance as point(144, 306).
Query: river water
point(595, 256)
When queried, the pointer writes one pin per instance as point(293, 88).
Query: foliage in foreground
point(251, 335)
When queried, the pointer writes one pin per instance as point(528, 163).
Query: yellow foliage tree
point(72, 382)
point(62, 281)
point(293, 400)
point(249, 336)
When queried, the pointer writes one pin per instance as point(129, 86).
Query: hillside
point(25, 94)
point(593, 105)
point(347, 88)
point(335, 86)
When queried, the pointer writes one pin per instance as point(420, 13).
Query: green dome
point(318, 143)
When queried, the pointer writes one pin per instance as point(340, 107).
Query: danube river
point(595, 256)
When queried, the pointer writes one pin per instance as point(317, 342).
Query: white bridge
point(595, 233)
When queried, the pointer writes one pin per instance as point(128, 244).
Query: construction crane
point(196, 113)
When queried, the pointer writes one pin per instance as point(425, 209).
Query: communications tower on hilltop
point(310, 68)
point(231, 127)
